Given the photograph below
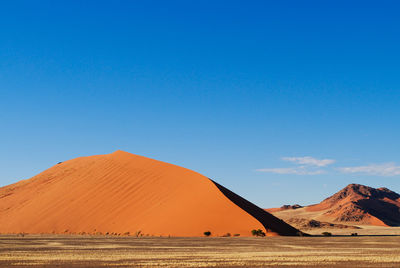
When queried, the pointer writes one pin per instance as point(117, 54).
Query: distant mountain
point(284, 207)
point(355, 204)
point(359, 203)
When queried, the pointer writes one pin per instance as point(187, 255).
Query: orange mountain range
point(355, 204)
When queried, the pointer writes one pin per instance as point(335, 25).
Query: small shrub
point(138, 233)
point(127, 233)
point(258, 232)
point(207, 233)
point(327, 234)
point(354, 234)
point(227, 235)
point(299, 233)
point(236, 235)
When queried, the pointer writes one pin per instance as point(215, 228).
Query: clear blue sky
point(240, 91)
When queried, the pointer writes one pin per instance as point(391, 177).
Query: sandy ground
point(365, 230)
point(92, 251)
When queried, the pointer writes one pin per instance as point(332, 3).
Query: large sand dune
point(122, 192)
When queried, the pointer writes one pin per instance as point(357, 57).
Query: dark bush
point(258, 232)
point(327, 234)
point(207, 233)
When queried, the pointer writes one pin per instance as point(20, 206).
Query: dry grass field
point(96, 251)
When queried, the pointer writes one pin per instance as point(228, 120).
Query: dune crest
point(120, 193)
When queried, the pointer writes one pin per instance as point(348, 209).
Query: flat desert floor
point(97, 251)
point(365, 230)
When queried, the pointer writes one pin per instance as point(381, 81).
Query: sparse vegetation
point(327, 234)
point(207, 233)
point(299, 233)
point(257, 232)
point(227, 235)
point(138, 233)
point(236, 235)
point(354, 234)
point(48, 251)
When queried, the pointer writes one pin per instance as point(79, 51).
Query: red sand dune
point(122, 192)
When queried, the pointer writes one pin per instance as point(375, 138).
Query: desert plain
point(101, 251)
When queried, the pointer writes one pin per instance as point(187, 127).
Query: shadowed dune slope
point(269, 221)
point(121, 192)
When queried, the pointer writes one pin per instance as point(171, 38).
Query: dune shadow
point(269, 221)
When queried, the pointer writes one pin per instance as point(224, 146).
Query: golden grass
point(97, 251)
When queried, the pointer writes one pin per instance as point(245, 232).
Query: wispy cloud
point(310, 161)
point(302, 170)
point(305, 165)
point(385, 169)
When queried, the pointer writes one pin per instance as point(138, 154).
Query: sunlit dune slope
point(119, 193)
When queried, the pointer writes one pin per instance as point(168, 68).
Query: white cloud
point(310, 161)
point(302, 170)
point(385, 169)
